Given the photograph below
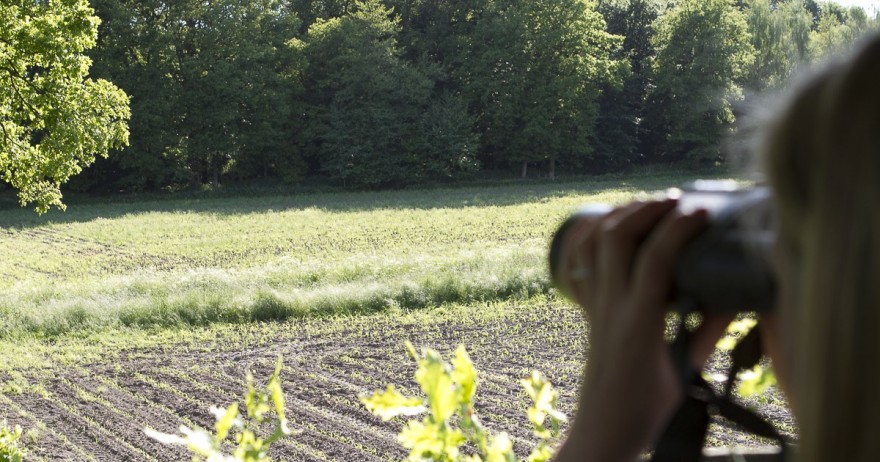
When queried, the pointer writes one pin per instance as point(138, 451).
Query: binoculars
point(725, 269)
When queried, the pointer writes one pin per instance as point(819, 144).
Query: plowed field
point(96, 409)
point(115, 317)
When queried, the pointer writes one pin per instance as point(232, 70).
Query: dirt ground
point(97, 410)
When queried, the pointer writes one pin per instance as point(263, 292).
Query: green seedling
point(259, 406)
point(451, 421)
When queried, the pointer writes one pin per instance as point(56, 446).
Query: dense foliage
point(53, 118)
point(389, 93)
point(702, 52)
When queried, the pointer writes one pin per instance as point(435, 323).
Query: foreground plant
point(449, 396)
point(754, 381)
point(10, 447)
point(249, 447)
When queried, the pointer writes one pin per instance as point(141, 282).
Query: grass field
point(194, 262)
point(119, 315)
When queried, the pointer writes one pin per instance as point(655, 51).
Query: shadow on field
point(85, 208)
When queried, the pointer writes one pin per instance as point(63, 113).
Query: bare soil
point(97, 410)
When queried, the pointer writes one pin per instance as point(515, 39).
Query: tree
point(837, 29)
point(703, 51)
point(54, 120)
point(622, 106)
point(239, 79)
point(310, 11)
point(800, 22)
point(436, 30)
point(134, 50)
point(780, 36)
point(534, 75)
point(213, 86)
point(375, 119)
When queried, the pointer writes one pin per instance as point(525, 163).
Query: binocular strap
point(683, 439)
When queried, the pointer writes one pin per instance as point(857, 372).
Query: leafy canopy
point(53, 118)
point(534, 74)
point(703, 51)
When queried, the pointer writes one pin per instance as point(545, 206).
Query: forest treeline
point(387, 93)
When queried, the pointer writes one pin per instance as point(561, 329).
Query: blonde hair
point(822, 157)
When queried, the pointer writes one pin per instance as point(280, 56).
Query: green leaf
point(411, 351)
point(735, 331)
point(435, 441)
point(276, 393)
point(742, 326)
point(726, 344)
point(227, 421)
point(10, 448)
point(391, 404)
point(544, 399)
point(501, 449)
point(756, 381)
point(250, 447)
point(465, 375)
point(436, 381)
point(541, 453)
point(251, 400)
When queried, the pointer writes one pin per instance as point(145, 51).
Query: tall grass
point(281, 290)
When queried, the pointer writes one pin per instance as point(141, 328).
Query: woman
point(822, 157)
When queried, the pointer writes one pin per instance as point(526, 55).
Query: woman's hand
point(619, 268)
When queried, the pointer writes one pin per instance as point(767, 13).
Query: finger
point(581, 274)
point(619, 239)
point(655, 263)
point(704, 339)
point(586, 225)
point(571, 265)
point(579, 253)
point(580, 271)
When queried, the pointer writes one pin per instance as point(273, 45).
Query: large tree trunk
point(525, 170)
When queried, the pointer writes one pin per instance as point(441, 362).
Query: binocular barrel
point(727, 268)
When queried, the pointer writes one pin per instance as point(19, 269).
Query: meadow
point(121, 314)
point(198, 261)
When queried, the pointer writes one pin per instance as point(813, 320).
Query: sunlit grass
point(200, 261)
